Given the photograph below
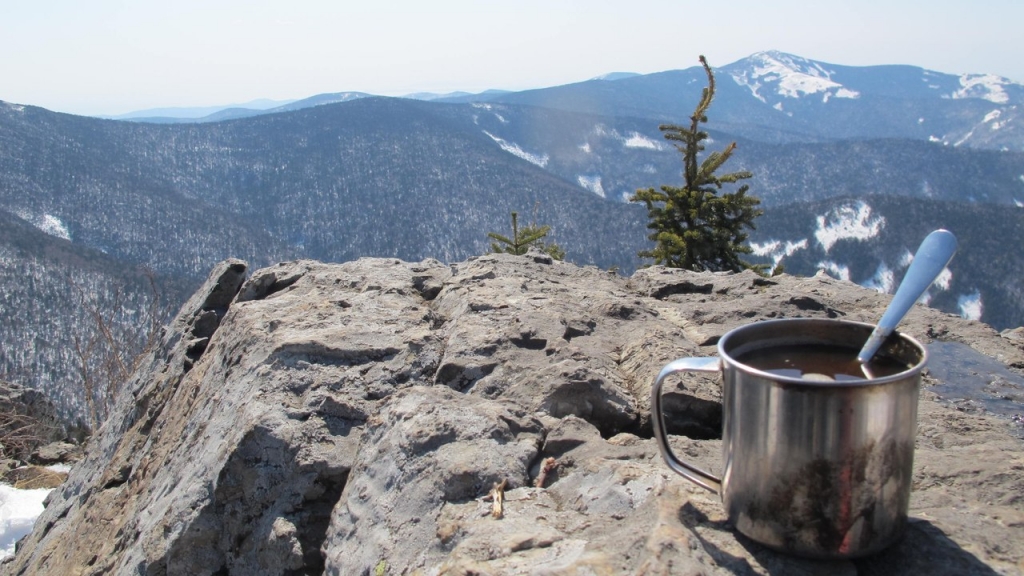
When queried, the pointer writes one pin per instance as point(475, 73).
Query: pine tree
point(523, 238)
point(694, 227)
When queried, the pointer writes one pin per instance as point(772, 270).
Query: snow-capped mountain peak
point(772, 74)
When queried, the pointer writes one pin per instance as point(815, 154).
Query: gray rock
point(353, 419)
point(56, 453)
point(426, 447)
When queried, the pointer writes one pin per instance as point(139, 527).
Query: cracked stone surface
point(352, 419)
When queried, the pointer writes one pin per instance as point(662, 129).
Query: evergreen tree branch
point(692, 226)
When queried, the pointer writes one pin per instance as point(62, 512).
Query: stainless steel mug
point(816, 469)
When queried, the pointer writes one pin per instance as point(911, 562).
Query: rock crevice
point(354, 418)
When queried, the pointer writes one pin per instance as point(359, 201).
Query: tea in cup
point(817, 450)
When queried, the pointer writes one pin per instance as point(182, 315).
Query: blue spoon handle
point(935, 252)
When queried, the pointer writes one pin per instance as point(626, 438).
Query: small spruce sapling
point(693, 227)
point(524, 238)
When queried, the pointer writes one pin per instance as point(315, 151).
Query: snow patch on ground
point(752, 84)
point(835, 270)
point(906, 258)
point(777, 250)
point(592, 183)
point(638, 140)
point(883, 281)
point(793, 77)
point(985, 86)
point(631, 140)
point(993, 117)
point(18, 512)
point(764, 249)
point(515, 150)
point(53, 226)
point(970, 305)
point(15, 107)
point(964, 139)
point(48, 223)
point(851, 221)
point(791, 247)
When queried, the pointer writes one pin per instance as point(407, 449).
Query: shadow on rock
point(924, 549)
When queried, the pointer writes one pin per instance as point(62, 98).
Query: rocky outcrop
point(360, 418)
point(33, 438)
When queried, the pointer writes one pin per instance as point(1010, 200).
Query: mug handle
point(689, 471)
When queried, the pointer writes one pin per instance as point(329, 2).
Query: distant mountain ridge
point(193, 112)
point(318, 182)
point(218, 114)
point(340, 176)
point(770, 96)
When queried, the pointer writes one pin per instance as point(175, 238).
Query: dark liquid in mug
point(819, 362)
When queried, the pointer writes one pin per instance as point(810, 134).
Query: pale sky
point(107, 57)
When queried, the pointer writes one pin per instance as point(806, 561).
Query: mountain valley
point(853, 166)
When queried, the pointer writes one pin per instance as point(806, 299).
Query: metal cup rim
point(729, 360)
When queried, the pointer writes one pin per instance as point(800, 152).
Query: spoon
point(932, 256)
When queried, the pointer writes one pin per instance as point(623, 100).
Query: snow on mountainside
point(975, 110)
point(870, 241)
point(772, 96)
point(285, 186)
point(613, 157)
point(856, 221)
point(47, 223)
point(514, 149)
point(970, 305)
point(788, 76)
point(852, 221)
point(773, 73)
point(985, 86)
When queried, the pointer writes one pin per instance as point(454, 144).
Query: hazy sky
point(117, 56)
